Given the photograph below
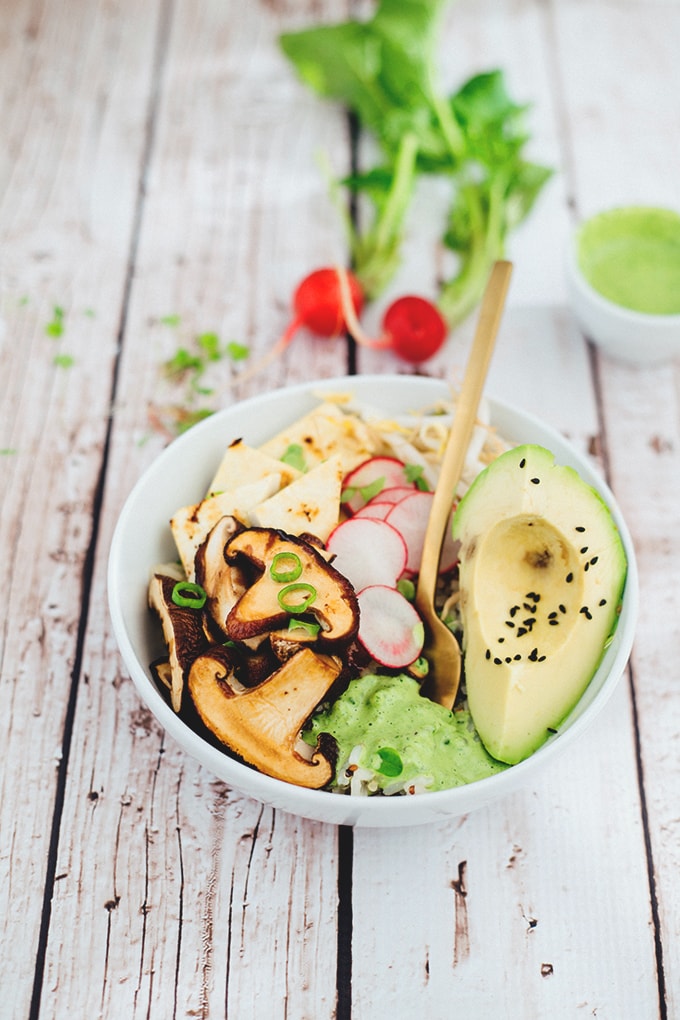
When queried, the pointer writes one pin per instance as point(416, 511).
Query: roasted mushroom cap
point(222, 582)
point(182, 629)
point(262, 725)
point(262, 608)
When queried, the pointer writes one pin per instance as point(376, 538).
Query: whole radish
point(412, 326)
point(416, 328)
point(319, 306)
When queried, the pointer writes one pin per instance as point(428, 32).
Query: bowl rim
point(339, 808)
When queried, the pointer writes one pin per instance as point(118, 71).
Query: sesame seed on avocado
point(542, 571)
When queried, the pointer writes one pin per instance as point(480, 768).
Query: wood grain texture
point(187, 885)
point(70, 170)
point(159, 160)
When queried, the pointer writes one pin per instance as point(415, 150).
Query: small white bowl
point(184, 469)
point(636, 337)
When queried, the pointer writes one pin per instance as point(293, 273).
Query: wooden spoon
point(441, 647)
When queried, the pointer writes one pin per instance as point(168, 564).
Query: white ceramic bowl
point(142, 539)
point(639, 338)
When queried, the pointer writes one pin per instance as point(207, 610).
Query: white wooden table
point(158, 159)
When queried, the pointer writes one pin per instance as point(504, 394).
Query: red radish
point(410, 517)
point(412, 326)
point(367, 551)
point(371, 478)
point(395, 494)
point(416, 328)
point(389, 627)
point(381, 504)
point(376, 509)
point(318, 306)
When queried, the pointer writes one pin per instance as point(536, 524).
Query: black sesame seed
point(521, 631)
point(586, 567)
point(594, 560)
point(498, 662)
point(513, 610)
point(586, 612)
point(580, 528)
point(569, 578)
point(533, 655)
point(509, 623)
point(551, 616)
point(518, 657)
point(541, 658)
point(554, 623)
point(488, 654)
point(602, 602)
point(535, 481)
point(523, 462)
point(501, 640)
point(561, 608)
point(584, 549)
point(508, 658)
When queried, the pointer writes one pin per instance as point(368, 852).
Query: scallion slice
point(188, 595)
point(288, 601)
point(309, 628)
point(285, 567)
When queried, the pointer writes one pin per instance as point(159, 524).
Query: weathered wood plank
point(622, 154)
point(71, 154)
point(200, 901)
point(473, 899)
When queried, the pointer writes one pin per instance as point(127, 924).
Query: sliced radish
point(410, 516)
point(389, 627)
point(394, 494)
point(371, 477)
point(376, 509)
point(367, 551)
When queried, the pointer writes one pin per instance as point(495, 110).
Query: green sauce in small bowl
point(631, 256)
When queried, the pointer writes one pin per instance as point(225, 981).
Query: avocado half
point(542, 572)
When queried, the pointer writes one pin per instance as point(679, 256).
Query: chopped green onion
point(298, 588)
point(310, 628)
point(390, 762)
point(286, 566)
point(407, 588)
point(188, 595)
point(420, 668)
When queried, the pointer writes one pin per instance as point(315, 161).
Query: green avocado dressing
point(403, 736)
point(631, 256)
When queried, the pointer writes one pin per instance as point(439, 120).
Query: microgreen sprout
point(55, 327)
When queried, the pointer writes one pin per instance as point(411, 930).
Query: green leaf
point(294, 456)
point(209, 343)
point(64, 360)
point(383, 70)
point(237, 351)
point(390, 762)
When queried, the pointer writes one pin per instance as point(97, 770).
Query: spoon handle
point(464, 418)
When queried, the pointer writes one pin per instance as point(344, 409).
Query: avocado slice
point(542, 572)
